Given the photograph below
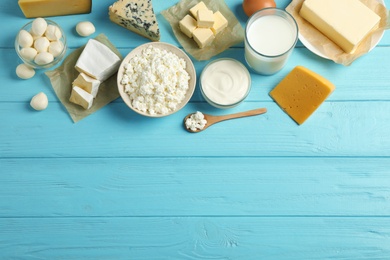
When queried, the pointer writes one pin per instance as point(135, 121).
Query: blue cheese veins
point(137, 16)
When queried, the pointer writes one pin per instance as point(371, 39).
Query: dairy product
point(137, 16)
point(53, 33)
point(203, 36)
point(25, 39)
point(220, 23)
point(87, 83)
point(39, 101)
point(56, 48)
point(81, 97)
point(199, 6)
point(38, 27)
point(345, 22)
point(271, 34)
point(225, 82)
point(156, 81)
point(98, 61)
point(188, 25)
point(43, 58)
point(24, 72)
point(196, 121)
point(28, 53)
point(205, 18)
point(301, 92)
point(85, 28)
point(42, 8)
point(41, 44)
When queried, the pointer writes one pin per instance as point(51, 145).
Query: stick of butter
point(43, 8)
point(345, 22)
point(301, 92)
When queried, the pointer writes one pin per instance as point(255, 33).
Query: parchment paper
point(230, 36)
point(62, 77)
point(328, 47)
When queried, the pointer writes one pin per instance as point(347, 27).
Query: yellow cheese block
point(43, 8)
point(301, 92)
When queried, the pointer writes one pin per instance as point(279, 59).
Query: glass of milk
point(270, 37)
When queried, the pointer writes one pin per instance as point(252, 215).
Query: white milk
point(271, 34)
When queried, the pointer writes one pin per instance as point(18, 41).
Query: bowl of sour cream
point(225, 83)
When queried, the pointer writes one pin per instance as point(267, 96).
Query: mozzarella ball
point(41, 44)
point(25, 39)
point(39, 27)
point(56, 48)
point(39, 101)
point(85, 28)
point(43, 58)
point(28, 53)
point(53, 33)
point(24, 72)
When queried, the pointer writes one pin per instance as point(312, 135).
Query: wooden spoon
point(216, 119)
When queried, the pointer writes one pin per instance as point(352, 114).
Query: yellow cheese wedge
point(43, 8)
point(345, 22)
point(301, 92)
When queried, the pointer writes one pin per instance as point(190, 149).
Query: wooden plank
point(195, 186)
point(336, 129)
point(195, 238)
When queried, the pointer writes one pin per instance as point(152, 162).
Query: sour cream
point(225, 83)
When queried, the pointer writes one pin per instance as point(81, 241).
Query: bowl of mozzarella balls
point(41, 43)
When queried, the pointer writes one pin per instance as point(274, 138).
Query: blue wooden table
point(118, 185)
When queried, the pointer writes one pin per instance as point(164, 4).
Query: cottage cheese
point(196, 121)
point(156, 81)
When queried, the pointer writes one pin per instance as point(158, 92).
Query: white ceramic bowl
point(162, 46)
point(57, 59)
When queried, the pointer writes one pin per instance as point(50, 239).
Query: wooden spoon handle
point(253, 112)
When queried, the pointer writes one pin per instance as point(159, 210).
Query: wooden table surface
point(118, 185)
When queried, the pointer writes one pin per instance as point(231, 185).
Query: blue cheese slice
point(98, 61)
point(137, 16)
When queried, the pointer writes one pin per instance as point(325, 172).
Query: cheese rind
point(81, 97)
point(98, 61)
point(187, 25)
point(44, 8)
point(87, 83)
point(345, 22)
point(301, 92)
point(137, 16)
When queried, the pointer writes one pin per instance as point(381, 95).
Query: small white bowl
point(162, 46)
point(32, 64)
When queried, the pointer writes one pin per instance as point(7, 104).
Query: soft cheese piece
point(98, 61)
point(199, 6)
point(301, 92)
point(188, 25)
point(81, 97)
point(43, 8)
point(205, 18)
point(220, 23)
point(345, 22)
point(203, 36)
point(137, 16)
point(87, 83)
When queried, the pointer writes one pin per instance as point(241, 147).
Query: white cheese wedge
point(87, 83)
point(81, 97)
point(98, 61)
point(137, 16)
point(345, 22)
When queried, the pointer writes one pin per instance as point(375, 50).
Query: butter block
point(87, 83)
point(81, 97)
point(199, 6)
point(205, 18)
point(301, 92)
point(188, 25)
point(98, 61)
point(345, 22)
point(220, 23)
point(44, 8)
point(203, 36)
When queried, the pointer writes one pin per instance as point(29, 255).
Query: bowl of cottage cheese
point(156, 79)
